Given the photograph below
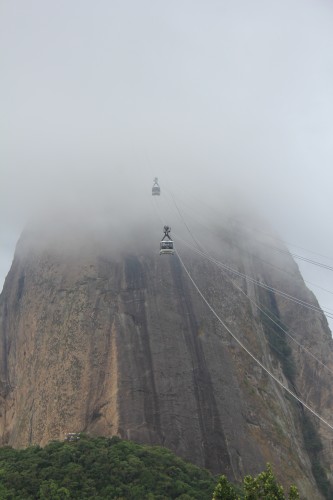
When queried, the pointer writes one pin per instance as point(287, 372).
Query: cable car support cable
point(287, 296)
point(249, 352)
point(263, 311)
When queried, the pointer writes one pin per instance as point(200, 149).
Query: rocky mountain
point(114, 339)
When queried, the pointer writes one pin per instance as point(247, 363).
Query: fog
point(228, 101)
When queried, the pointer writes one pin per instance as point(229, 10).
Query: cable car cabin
point(166, 247)
point(156, 190)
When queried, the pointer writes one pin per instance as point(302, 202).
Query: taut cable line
point(239, 342)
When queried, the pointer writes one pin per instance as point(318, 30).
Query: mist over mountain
point(232, 97)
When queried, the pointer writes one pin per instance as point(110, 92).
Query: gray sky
point(231, 97)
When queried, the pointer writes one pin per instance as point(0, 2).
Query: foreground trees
point(263, 486)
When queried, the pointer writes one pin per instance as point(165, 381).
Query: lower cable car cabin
point(166, 247)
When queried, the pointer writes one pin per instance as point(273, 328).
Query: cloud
point(226, 102)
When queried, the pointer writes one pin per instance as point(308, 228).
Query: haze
point(223, 100)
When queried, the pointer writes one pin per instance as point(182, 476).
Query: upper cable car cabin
point(166, 244)
point(156, 190)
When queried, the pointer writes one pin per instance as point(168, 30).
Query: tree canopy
point(100, 468)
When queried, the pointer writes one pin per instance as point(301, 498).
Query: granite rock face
point(122, 343)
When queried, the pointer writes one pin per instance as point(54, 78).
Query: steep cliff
point(119, 342)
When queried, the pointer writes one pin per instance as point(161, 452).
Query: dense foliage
point(104, 468)
point(100, 468)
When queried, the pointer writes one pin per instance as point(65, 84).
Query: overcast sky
point(232, 96)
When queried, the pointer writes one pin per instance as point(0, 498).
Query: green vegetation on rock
point(314, 446)
point(278, 342)
point(100, 468)
point(275, 332)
